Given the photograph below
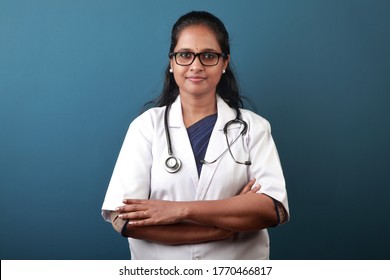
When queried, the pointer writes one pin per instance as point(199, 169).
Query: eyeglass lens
point(206, 58)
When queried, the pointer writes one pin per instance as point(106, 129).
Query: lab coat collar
point(176, 114)
point(225, 114)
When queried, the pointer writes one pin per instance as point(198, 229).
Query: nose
point(196, 64)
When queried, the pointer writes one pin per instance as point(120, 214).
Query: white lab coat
point(140, 173)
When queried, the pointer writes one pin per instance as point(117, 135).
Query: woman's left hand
point(143, 212)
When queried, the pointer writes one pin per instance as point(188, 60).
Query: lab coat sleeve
point(266, 167)
point(131, 175)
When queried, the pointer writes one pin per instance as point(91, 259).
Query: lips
point(196, 78)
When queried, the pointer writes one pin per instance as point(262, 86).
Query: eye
point(184, 55)
point(209, 56)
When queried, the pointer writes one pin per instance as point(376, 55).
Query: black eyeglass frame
point(219, 55)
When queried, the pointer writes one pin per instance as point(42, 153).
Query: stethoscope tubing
point(173, 163)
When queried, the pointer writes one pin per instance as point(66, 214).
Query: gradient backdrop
point(75, 73)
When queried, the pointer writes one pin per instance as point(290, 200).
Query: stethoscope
point(173, 164)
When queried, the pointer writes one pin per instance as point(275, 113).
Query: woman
point(217, 200)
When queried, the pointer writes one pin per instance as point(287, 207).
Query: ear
point(226, 61)
point(171, 64)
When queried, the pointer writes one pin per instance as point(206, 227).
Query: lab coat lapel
point(181, 146)
point(217, 146)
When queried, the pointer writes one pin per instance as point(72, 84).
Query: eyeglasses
point(187, 58)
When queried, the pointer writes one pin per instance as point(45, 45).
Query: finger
point(140, 223)
point(132, 201)
point(143, 214)
point(122, 208)
point(127, 202)
point(248, 186)
point(130, 208)
point(256, 188)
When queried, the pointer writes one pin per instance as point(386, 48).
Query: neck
point(197, 108)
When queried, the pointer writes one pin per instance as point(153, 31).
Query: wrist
point(184, 212)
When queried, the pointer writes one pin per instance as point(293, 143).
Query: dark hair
point(227, 87)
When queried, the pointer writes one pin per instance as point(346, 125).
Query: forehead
point(197, 38)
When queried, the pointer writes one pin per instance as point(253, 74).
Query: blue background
point(74, 74)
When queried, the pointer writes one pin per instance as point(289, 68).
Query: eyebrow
point(191, 50)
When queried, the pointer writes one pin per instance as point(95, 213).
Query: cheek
point(216, 76)
point(178, 76)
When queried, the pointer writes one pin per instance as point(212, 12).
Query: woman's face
point(197, 79)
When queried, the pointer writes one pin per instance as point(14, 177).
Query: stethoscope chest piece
point(172, 164)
